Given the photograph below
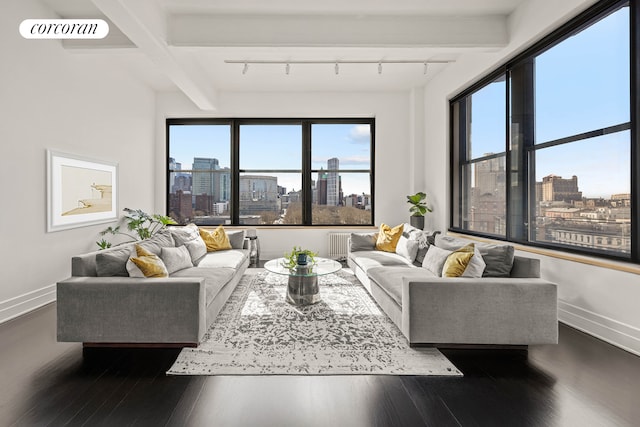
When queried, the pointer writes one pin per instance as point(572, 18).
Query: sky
point(280, 147)
point(582, 84)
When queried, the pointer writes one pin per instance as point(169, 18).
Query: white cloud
point(360, 133)
point(355, 160)
point(344, 161)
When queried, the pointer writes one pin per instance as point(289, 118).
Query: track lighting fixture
point(337, 63)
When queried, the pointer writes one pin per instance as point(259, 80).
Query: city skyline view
point(270, 167)
point(262, 148)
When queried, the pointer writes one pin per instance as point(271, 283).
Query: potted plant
point(139, 222)
point(299, 256)
point(418, 209)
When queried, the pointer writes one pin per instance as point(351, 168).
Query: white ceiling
point(183, 44)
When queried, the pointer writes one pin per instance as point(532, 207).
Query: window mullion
point(235, 171)
point(307, 193)
point(521, 132)
point(635, 129)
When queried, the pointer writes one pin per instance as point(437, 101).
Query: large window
point(270, 172)
point(481, 118)
point(561, 177)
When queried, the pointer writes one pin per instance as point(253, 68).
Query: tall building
point(174, 166)
point(333, 182)
point(180, 207)
point(557, 189)
point(224, 185)
point(258, 193)
point(488, 197)
point(203, 179)
point(489, 176)
point(321, 189)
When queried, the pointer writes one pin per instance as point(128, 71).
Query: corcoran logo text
point(64, 29)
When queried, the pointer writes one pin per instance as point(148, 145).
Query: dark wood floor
point(580, 382)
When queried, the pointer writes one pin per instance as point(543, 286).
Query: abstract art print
point(80, 191)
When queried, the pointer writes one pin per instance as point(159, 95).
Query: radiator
point(338, 245)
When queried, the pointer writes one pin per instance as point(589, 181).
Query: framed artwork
point(80, 191)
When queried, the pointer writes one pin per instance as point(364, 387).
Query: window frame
point(306, 166)
point(521, 233)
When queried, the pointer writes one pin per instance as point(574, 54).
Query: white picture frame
point(80, 191)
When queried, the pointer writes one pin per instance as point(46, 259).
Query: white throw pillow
point(434, 259)
point(407, 248)
point(476, 265)
point(134, 270)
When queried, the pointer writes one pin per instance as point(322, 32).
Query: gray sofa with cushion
point(509, 305)
point(101, 304)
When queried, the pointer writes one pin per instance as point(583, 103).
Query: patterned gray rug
point(259, 333)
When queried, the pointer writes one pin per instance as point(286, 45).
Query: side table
point(254, 250)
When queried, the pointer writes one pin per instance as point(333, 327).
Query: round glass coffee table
point(302, 288)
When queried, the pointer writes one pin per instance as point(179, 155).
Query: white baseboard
point(612, 331)
point(17, 306)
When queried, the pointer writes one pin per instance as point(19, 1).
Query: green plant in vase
point(299, 256)
point(418, 209)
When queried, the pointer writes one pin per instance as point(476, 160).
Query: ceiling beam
point(483, 31)
point(143, 23)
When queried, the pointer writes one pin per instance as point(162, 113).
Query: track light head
point(379, 67)
point(245, 68)
point(337, 69)
point(426, 66)
point(287, 68)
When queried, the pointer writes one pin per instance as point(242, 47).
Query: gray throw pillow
point(161, 239)
point(181, 235)
point(434, 260)
point(499, 258)
point(236, 238)
point(197, 249)
point(176, 258)
point(113, 262)
point(362, 242)
point(424, 239)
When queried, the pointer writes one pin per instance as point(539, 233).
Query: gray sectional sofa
point(102, 305)
point(516, 309)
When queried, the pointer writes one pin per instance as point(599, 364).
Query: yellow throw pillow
point(215, 240)
point(388, 237)
point(140, 251)
point(457, 262)
point(150, 264)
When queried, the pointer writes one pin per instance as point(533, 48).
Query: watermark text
point(64, 29)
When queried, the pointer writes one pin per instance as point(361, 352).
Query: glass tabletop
point(320, 267)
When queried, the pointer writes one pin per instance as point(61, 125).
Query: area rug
point(259, 333)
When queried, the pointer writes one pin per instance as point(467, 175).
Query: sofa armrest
point(524, 267)
point(503, 311)
point(131, 310)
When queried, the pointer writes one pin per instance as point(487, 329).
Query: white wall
point(393, 147)
point(600, 301)
point(83, 105)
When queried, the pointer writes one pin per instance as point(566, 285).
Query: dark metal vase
point(417, 221)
